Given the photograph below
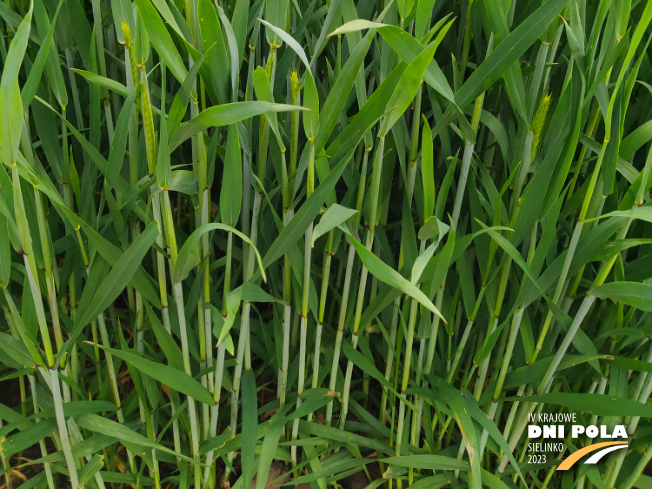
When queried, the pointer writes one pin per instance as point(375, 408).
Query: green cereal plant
point(351, 241)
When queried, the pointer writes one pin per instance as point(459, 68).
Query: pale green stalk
point(5, 461)
point(406, 377)
point(61, 424)
point(466, 161)
point(287, 320)
point(374, 191)
point(76, 435)
point(248, 269)
point(465, 336)
point(99, 42)
point(340, 331)
point(345, 291)
point(74, 89)
point(8, 470)
point(303, 334)
point(643, 462)
point(328, 255)
point(288, 214)
point(244, 328)
point(46, 465)
point(31, 271)
point(307, 257)
point(391, 346)
point(219, 364)
point(168, 226)
point(414, 305)
point(467, 40)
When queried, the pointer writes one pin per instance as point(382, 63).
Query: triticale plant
point(325, 243)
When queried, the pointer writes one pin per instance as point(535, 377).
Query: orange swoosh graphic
point(568, 463)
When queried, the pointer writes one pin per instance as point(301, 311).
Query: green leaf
point(407, 88)
point(635, 140)
point(427, 462)
point(632, 294)
point(535, 371)
point(338, 435)
point(100, 81)
point(189, 254)
point(231, 190)
point(391, 277)
point(5, 252)
point(311, 97)
point(304, 216)
point(404, 8)
point(163, 166)
point(408, 48)
point(488, 424)
point(98, 424)
point(625, 168)
point(28, 437)
point(276, 12)
point(119, 143)
point(249, 426)
point(333, 217)
point(310, 102)
point(77, 408)
point(183, 181)
point(461, 414)
point(596, 404)
point(423, 17)
point(27, 338)
point(629, 363)
point(267, 452)
point(235, 48)
point(11, 105)
point(427, 171)
point(512, 75)
point(360, 361)
point(250, 292)
point(87, 473)
point(289, 40)
point(119, 276)
point(16, 350)
point(338, 469)
point(367, 117)
point(161, 39)
point(224, 115)
point(211, 32)
point(264, 93)
point(643, 213)
point(35, 74)
point(165, 340)
point(424, 258)
point(334, 103)
point(114, 283)
point(180, 102)
point(612, 248)
point(508, 52)
point(53, 63)
point(165, 374)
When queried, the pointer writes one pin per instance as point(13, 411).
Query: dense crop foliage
point(346, 236)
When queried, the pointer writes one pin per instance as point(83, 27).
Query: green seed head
point(129, 44)
point(294, 83)
point(539, 121)
point(126, 32)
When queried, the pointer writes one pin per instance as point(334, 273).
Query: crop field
point(325, 244)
